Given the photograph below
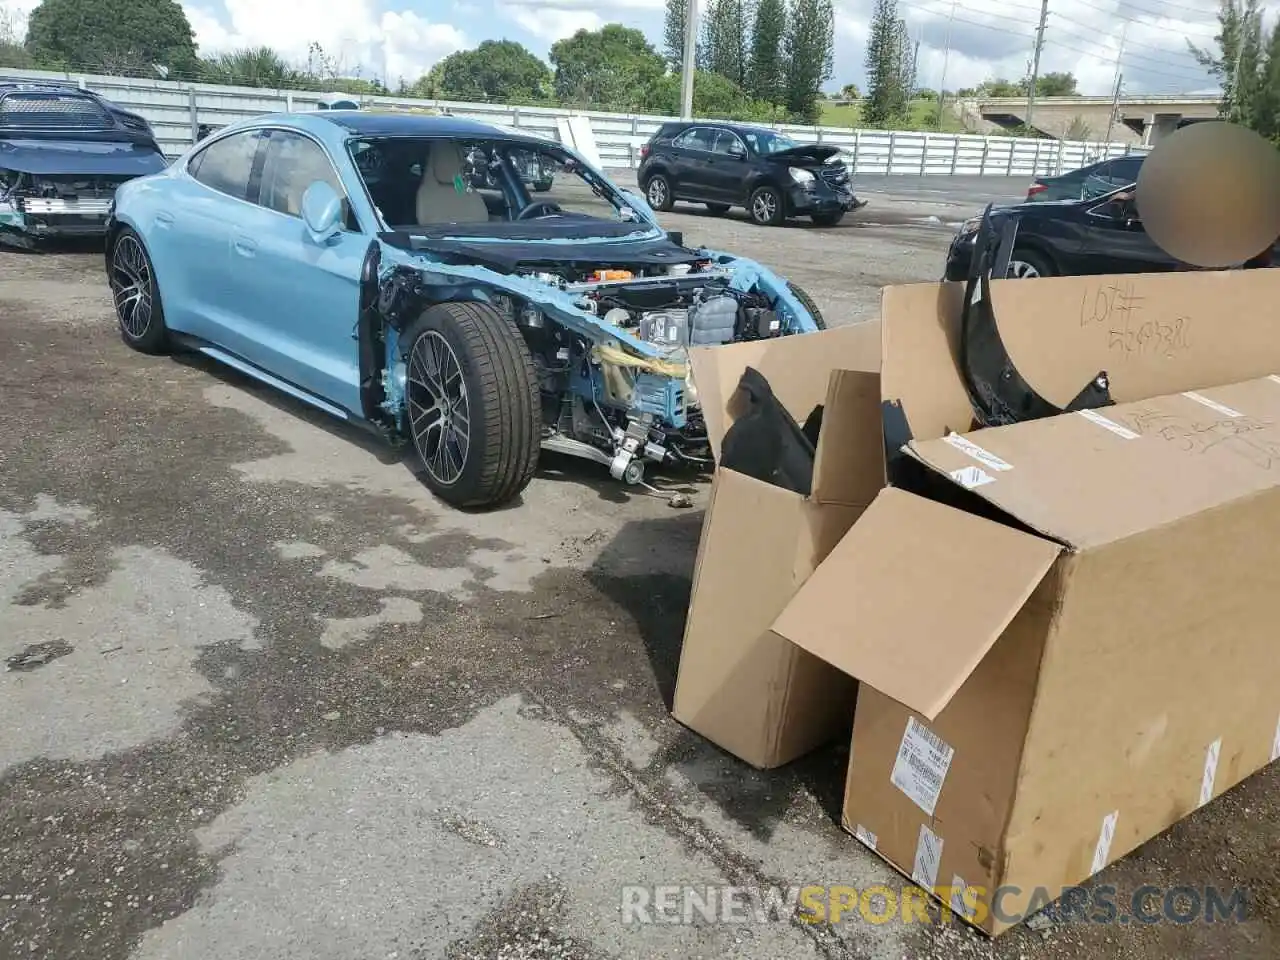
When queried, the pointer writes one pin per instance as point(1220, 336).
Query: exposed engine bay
point(602, 398)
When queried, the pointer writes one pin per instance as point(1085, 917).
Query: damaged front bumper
point(27, 219)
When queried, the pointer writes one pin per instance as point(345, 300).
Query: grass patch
point(923, 116)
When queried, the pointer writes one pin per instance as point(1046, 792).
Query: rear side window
point(1125, 169)
point(699, 138)
point(665, 132)
point(226, 164)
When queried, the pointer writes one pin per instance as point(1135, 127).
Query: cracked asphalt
point(280, 704)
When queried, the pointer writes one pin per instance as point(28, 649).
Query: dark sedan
point(1099, 235)
point(1092, 181)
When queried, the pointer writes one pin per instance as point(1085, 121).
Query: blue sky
point(987, 37)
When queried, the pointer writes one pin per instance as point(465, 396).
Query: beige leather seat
point(438, 198)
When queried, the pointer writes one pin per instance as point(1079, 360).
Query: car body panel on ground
point(735, 165)
point(318, 251)
point(63, 153)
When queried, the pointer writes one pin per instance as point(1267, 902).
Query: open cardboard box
point(760, 542)
point(1065, 645)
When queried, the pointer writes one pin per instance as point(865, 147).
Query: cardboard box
point(1068, 646)
point(740, 685)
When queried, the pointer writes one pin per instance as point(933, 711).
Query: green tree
point(122, 36)
point(12, 52)
point(499, 70)
point(251, 67)
point(1237, 63)
point(999, 87)
point(887, 99)
point(850, 91)
point(807, 51)
point(724, 39)
point(613, 68)
point(1052, 85)
point(766, 73)
point(673, 32)
point(713, 96)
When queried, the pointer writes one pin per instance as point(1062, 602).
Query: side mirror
point(322, 212)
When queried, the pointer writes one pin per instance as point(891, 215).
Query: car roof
point(339, 125)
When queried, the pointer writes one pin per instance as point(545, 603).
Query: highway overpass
point(1139, 120)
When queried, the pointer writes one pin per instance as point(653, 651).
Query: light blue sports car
point(345, 258)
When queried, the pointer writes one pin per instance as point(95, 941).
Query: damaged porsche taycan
point(63, 153)
point(350, 259)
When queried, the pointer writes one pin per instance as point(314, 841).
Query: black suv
point(729, 165)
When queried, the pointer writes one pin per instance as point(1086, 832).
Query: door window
point(728, 144)
point(226, 165)
point(293, 162)
point(699, 138)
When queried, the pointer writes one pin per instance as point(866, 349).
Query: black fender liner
point(999, 394)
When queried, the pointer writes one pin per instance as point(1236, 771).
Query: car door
point(727, 172)
point(300, 299)
point(692, 150)
point(1113, 241)
point(192, 237)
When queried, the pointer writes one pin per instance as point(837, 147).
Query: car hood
point(509, 256)
point(805, 153)
point(79, 158)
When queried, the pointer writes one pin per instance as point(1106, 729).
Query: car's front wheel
point(136, 296)
point(765, 206)
point(1028, 264)
point(472, 404)
point(658, 192)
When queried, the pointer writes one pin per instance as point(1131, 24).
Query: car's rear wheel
point(472, 404)
point(136, 296)
point(658, 192)
point(765, 206)
point(717, 209)
point(827, 219)
point(1028, 264)
point(806, 301)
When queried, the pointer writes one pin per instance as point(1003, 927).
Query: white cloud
point(551, 23)
point(995, 38)
point(353, 33)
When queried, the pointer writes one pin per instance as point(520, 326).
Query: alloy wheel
point(439, 415)
point(657, 193)
point(1021, 270)
point(764, 207)
point(131, 286)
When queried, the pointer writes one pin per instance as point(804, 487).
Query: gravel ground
point(291, 709)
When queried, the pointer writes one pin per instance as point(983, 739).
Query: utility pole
point(1035, 61)
point(1115, 97)
point(946, 55)
point(690, 57)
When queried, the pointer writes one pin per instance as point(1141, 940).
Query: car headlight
point(800, 175)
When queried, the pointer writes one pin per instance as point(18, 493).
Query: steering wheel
point(540, 208)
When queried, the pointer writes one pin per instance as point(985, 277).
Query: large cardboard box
point(739, 684)
point(1067, 644)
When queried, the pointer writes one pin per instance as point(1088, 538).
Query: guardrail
point(176, 110)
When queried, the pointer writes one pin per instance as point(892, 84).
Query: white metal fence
point(176, 110)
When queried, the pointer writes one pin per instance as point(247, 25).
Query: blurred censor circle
point(1209, 194)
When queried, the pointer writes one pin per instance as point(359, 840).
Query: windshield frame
point(612, 193)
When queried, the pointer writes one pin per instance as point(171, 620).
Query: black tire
point(502, 404)
point(1041, 264)
point(807, 302)
point(132, 278)
point(765, 207)
point(827, 219)
point(717, 209)
point(659, 183)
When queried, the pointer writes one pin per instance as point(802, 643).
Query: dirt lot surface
point(293, 709)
